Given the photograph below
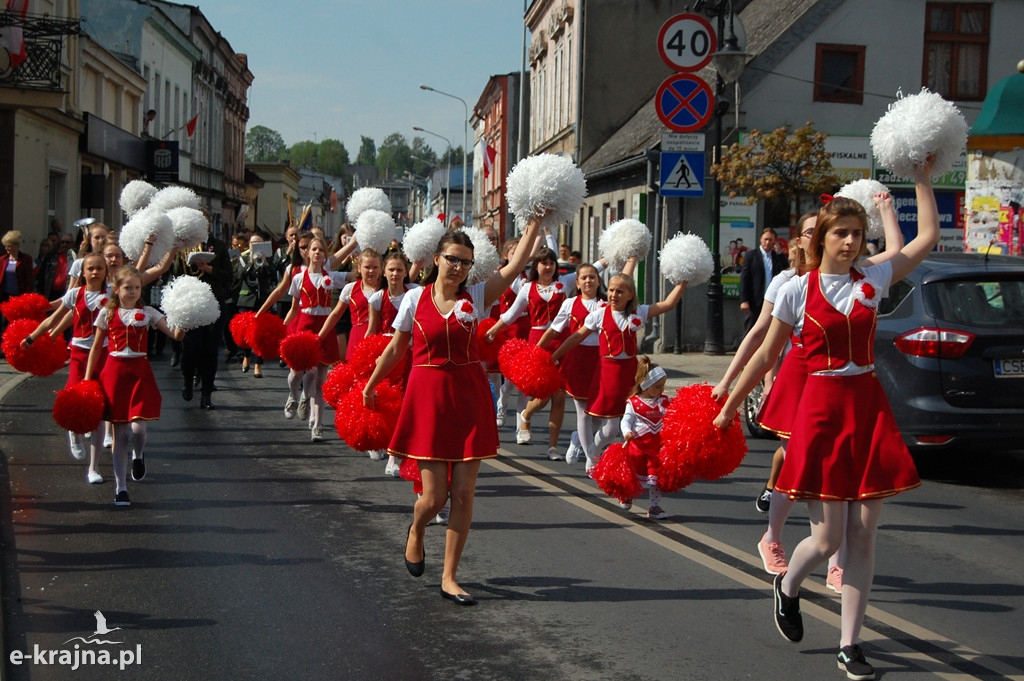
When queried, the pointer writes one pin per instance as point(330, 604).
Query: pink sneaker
point(834, 579)
point(773, 556)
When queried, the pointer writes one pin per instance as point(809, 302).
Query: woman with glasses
point(451, 427)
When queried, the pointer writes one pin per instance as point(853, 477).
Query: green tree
point(779, 166)
point(332, 157)
point(263, 144)
point(394, 158)
point(304, 155)
point(367, 151)
point(425, 159)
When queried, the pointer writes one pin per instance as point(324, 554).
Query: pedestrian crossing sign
point(682, 174)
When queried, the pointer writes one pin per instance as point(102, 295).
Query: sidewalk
point(692, 367)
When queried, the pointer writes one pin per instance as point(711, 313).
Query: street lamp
point(465, 142)
point(448, 181)
point(729, 61)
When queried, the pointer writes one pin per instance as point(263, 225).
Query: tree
point(778, 166)
point(426, 159)
point(332, 157)
point(394, 158)
point(263, 144)
point(367, 151)
point(303, 155)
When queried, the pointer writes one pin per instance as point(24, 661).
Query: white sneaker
point(589, 467)
point(572, 454)
point(317, 434)
point(499, 418)
point(304, 408)
point(442, 516)
point(93, 478)
point(289, 408)
point(77, 450)
point(376, 455)
point(522, 436)
point(391, 469)
point(108, 441)
point(553, 454)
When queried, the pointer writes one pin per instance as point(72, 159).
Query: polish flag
point(490, 153)
point(190, 127)
point(13, 37)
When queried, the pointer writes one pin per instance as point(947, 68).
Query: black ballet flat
point(458, 599)
point(415, 569)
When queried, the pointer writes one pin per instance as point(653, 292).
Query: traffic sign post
point(686, 42)
point(684, 103)
point(682, 174)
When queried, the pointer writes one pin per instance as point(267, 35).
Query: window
point(839, 73)
point(956, 49)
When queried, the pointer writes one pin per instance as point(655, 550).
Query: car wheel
point(751, 405)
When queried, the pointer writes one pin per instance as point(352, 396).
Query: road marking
point(886, 632)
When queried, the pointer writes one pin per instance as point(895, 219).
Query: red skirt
point(448, 415)
point(357, 334)
point(328, 344)
point(79, 361)
point(579, 369)
point(845, 444)
point(779, 409)
point(617, 378)
point(130, 389)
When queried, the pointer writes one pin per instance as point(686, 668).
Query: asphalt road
point(251, 553)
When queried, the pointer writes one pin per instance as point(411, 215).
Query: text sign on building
point(682, 174)
point(682, 141)
point(686, 42)
point(684, 103)
point(162, 161)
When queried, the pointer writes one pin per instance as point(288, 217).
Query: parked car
point(949, 352)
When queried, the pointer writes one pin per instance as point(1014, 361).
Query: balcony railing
point(44, 44)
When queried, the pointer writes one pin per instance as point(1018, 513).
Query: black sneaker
point(764, 502)
point(121, 498)
point(787, 613)
point(851, 660)
point(138, 468)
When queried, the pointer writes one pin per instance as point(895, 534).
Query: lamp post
point(729, 61)
point(448, 180)
point(465, 142)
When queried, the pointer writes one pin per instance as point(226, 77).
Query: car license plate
point(1008, 368)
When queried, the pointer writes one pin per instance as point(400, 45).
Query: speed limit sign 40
point(686, 42)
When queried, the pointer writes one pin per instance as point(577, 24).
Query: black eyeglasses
point(457, 262)
point(807, 233)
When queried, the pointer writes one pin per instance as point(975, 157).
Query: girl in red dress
point(451, 423)
point(132, 396)
point(355, 296)
point(520, 329)
point(619, 324)
point(845, 446)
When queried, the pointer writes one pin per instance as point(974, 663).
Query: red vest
point(437, 340)
point(543, 312)
point(121, 336)
point(577, 315)
point(616, 341)
point(315, 296)
point(388, 312)
point(652, 414)
point(84, 317)
point(359, 306)
point(830, 338)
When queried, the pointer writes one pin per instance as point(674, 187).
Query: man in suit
point(759, 266)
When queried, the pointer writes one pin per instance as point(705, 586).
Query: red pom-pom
point(26, 306)
point(42, 358)
point(301, 350)
point(615, 475)
point(689, 435)
point(530, 368)
point(489, 351)
point(364, 429)
point(267, 333)
point(674, 472)
point(339, 381)
point(240, 327)
point(80, 407)
point(365, 355)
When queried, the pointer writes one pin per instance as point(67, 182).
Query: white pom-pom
point(863, 191)
point(421, 239)
point(375, 229)
point(189, 303)
point(915, 127)
point(685, 257)
point(135, 196)
point(622, 240)
point(190, 227)
point(148, 224)
point(545, 182)
point(174, 197)
point(367, 198)
point(486, 260)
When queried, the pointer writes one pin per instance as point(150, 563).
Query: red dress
point(617, 376)
point(845, 444)
point(781, 405)
point(317, 296)
point(448, 414)
point(84, 327)
point(359, 311)
point(579, 364)
point(128, 382)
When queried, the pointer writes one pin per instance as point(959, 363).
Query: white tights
point(584, 427)
point(127, 436)
point(313, 386)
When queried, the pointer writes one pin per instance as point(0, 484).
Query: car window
point(984, 303)
point(897, 294)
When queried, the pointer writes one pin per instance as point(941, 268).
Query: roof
point(1003, 110)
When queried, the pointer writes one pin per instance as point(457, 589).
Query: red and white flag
point(13, 37)
point(490, 153)
point(190, 127)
